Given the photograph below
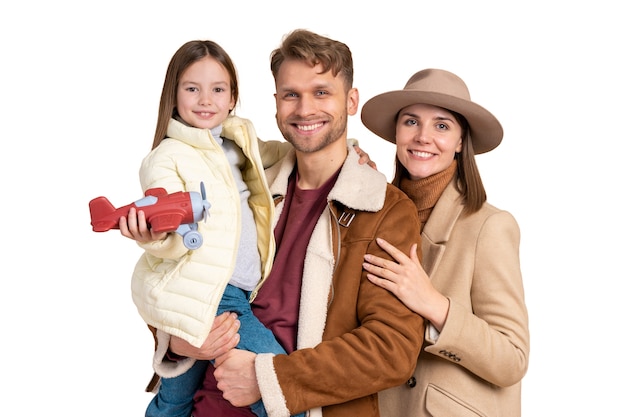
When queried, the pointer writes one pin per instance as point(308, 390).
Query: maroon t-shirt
point(278, 302)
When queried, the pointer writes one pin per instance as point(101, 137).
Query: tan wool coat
point(474, 367)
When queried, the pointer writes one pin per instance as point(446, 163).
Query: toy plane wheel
point(192, 239)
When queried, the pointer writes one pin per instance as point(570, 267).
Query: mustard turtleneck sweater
point(426, 191)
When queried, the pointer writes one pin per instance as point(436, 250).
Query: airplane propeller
point(205, 203)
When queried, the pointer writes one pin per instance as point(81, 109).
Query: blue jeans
point(175, 395)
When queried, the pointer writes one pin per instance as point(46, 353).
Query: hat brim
point(379, 115)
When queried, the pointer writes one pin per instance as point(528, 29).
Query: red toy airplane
point(180, 212)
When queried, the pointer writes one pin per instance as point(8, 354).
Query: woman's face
point(427, 137)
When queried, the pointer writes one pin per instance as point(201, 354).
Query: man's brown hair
point(315, 49)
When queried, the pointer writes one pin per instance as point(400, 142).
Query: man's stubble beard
point(308, 146)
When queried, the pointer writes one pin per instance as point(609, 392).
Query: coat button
point(411, 382)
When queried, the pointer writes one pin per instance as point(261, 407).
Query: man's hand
point(223, 337)
point(236, 377)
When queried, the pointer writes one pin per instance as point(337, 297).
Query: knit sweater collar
point(426, 191)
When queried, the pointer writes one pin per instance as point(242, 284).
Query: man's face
point(312, 108)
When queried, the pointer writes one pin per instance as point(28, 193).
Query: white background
point(80, 85)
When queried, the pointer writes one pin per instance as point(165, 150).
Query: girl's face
point(427, 137)
point(203, 97)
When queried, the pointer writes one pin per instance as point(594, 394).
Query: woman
point(469, 287)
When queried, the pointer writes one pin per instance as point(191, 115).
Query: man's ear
point(352, 101)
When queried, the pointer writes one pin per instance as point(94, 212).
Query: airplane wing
point(165, 222)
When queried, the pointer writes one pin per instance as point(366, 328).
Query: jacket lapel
point(439, 227)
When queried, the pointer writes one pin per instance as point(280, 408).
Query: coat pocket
point(440, 403)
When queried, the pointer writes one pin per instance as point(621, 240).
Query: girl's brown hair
point(186, 55)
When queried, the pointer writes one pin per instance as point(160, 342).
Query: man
point(348, 338)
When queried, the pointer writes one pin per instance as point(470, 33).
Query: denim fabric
point(255, 337)
point(175, 396)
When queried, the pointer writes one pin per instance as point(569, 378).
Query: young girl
point(179, 291)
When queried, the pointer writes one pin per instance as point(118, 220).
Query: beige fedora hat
point(438, 88)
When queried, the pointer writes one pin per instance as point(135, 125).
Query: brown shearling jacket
point(354, 338)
